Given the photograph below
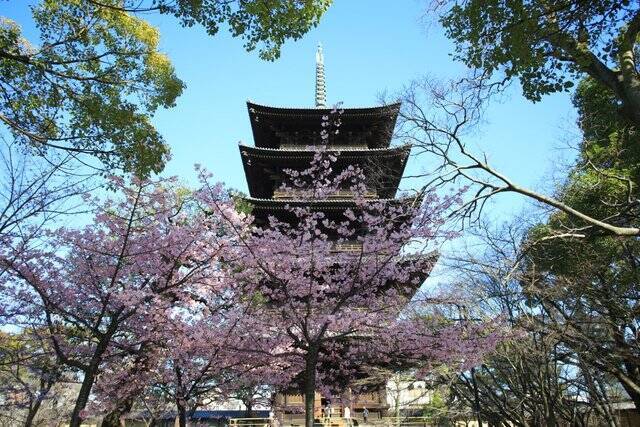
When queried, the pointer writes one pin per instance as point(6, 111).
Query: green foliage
point(266, 24)
point(594, 281)
point(240, 202)
point(543, 43)
point(96, 77)
point(603, 184)
point(89, 87)
point(436, 407)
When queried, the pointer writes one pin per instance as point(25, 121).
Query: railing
point(365, 398)
point(336, 420)
point(337, 195)
point(271, 422)
point(403, 421)
point(250, 422)
point(294, 398)
point(347, 247)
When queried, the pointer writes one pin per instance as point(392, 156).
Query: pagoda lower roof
point(276, 126)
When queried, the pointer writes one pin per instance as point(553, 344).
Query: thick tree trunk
point(310, 387)
point(33, 410)
point(83, 395)
point(248, 413)
point(182, 415)
point(90, 374)
point(476, 397)
point(633, 394)
point(114, 418)
point(46, 382)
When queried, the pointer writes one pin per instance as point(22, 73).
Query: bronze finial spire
point(321, 90)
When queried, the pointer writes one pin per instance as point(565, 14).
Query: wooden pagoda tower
point(284, 139)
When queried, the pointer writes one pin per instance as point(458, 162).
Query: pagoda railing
point(368, 398)
point(338, 147)
point(337, 195)
point(347, 247)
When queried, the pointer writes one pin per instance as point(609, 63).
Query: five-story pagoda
point(285, 139)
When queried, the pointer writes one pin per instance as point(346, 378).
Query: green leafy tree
point(95, 78)
point(262, 24)
point(593, 284)
point(547, 45)
point(89, 87)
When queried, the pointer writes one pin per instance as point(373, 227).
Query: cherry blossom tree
point(104, 291)
point(181, 367)
point(177, 292)
point(192, 362)
point(319, 313)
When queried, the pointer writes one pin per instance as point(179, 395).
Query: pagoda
point(284, 138)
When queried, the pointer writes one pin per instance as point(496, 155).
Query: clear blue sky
point(370, 46)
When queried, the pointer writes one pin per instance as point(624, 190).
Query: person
point(365, 414)
point(273, 420)
point(346, 414)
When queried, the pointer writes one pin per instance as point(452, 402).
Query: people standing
point(365, 414)
point(346, 414)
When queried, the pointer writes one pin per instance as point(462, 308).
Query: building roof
point(204, 414)
point(275, 126)
point(264, 167)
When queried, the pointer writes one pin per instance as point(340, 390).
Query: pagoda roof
point(275, 126)
point(320, 111)
point(264, 166)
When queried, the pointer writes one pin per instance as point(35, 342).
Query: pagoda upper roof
point(370, 127)
point(264, 166)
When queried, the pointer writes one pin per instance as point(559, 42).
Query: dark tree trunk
point(182, 415)
point(476, 397)
point(310, 387)
point(83, 395)
point(90, 375)
point(45, 387)
point(113, 418)
point(33, 410)
point(248, 413)
point(633, 394)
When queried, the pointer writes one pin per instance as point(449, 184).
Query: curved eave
point(390, 109)
point(262, 209)
point(320, 204)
